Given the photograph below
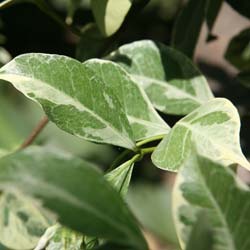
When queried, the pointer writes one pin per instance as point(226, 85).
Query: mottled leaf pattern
point(72, 97)
point(22, 222)
point(63, 184)
point(204, 188)
point(213, 128)
point(143, 118)
point(172, 82)
point(65, 239)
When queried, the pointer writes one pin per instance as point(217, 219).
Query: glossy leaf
point(242, 6)
point(63, 184)
point(172, 82)
point(238, 51)
point(110, 14)
point(22, 222)
point(72, 97)
point(120, 177)
point(213, 128)
point(143, 118)
point(205, 188)
point(188, 26)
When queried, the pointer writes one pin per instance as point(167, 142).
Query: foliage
point(53, 199)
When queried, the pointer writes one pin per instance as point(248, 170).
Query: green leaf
point(213, 128)
point(65, 239)
point(238, 51)
point(188, 26)
point(22, 222)
point(72, 97)
point(213, 8)
point(242, 6)
point(111, 246)
point(201, 236)
point(11, 132)
point(110, 14)
point(143, 118)
point(75, 191)
point(120, 177)
point(151, 205)
point(204, 187)
point(172, 82)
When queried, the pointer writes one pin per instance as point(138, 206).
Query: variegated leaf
point(143, 118)
point(72, 97)
point(213, 129)
point(172, 82)
point(206, 189)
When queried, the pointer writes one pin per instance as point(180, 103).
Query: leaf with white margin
point(143, 118)
point(22, 222)
point(172, 82)
point(110, 14)
point(214, 130)
point(205, 187)
point(72, 97)
point(63, 184)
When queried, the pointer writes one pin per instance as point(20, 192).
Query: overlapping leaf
point(110, 14)
point(22, 222)
point(213, 128)
point(143, 118)
point(72, 97)
point(63, 184)
point(172, 82)
point(204, 188)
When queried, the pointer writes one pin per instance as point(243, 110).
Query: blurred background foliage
point(25, 28)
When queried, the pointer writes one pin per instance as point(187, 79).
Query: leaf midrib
point(66, 196)
point(218, 209)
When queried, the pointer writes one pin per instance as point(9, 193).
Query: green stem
point(118, 159)
point(149, 150)
point(151, 139)
point(140, 152)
